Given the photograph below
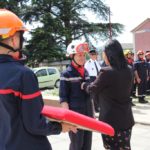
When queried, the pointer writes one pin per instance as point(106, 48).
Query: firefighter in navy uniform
point(128, 56)
point(130, 61)
point(147, 58)
point(134, 84)
point(93, 68)
point(4, 125)
point(71, 95)
point(141, 75)
point(20, 94)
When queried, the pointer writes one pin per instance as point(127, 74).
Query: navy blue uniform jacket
point(22, 99)
point(142, 69)
point(4, 126)
point(70, 91)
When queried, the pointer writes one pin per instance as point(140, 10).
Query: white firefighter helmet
point(77, 47)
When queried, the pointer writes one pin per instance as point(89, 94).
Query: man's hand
point(65, 105)
point(67, 127)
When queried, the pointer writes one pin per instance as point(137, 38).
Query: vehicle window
point(51, 71)
point(41, 73)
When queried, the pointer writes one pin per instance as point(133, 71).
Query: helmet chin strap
point(11, 49)
point(7, 47)
point(76, 62)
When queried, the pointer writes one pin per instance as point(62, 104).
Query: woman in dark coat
point(113, 86)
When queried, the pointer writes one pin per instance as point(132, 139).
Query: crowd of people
point(141, 71)
point(140, 64)
point(85, 87)
point(108, 87)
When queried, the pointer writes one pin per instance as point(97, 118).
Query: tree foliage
point(15, 6)
point(58, 22)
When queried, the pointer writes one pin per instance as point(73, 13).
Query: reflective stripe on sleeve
point(70, 79)
point(19, 94)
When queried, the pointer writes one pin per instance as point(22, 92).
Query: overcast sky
point(130, 13)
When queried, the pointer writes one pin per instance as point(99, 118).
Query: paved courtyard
point(140, 139)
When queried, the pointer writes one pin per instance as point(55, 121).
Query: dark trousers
point(82, 140)
point(148, 87)
point(133, 91)
point(142, 88)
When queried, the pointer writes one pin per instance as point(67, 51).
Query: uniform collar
point(92, 60)
point(141, 60)
point(6, 58)
point(81, 69)
point(71, 68)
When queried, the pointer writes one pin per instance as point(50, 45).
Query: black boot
point(142, 100)
point(132, 104)
point(133, 95)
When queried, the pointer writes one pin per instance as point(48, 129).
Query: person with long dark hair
point(113, 86)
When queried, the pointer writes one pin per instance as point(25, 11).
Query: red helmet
point(147, 53)
point(140, 52)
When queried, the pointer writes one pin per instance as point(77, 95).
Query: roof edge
point(140, 25)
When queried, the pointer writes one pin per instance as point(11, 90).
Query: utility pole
point(110, 28)
point(92, 47)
